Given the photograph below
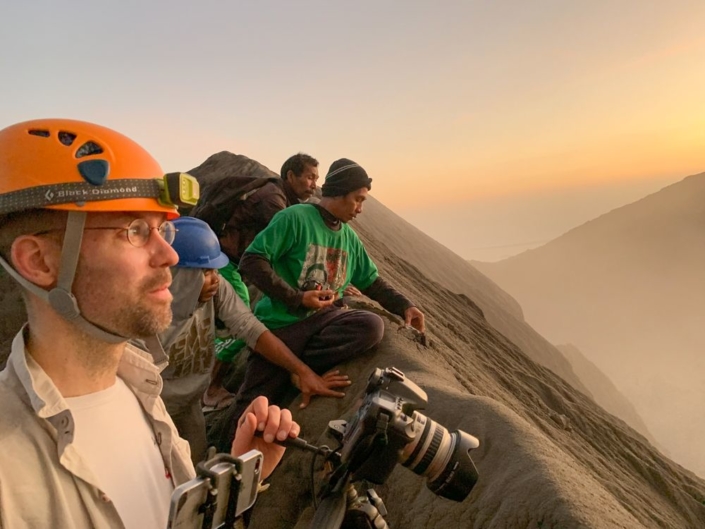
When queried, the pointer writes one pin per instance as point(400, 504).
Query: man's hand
point(351, 290)
point(311, 384)
point(274, 423)
point(318, 299)
point(415, 318)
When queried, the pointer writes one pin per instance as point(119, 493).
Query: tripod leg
point(363, 516)
point(330, 512)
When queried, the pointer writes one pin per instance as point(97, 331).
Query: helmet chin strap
point(64, 302)
point(60, 297)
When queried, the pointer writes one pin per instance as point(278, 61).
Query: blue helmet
point(197, 245)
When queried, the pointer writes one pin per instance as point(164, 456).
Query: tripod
point(346, 509)
point(342, 507)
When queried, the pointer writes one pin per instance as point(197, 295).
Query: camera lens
point(442, 457)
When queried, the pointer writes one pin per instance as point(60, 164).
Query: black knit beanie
point(344, 176)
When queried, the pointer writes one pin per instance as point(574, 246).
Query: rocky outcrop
point(224, 163)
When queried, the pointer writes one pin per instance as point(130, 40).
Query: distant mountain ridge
point(628, 289)
point(604, 391)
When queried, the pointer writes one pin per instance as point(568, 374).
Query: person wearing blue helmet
point(200, 297)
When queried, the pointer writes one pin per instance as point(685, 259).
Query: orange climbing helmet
point(78, 166)
point(81, 168)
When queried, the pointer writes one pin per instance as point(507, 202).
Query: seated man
point(299, 175)
point(227, 347)
point(302, 262)
point(85, 229)
point(199, 298)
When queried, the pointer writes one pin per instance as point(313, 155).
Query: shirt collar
point(291, 197)
point(136, 368)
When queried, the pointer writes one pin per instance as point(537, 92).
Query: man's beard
point(140, 320)
point(136, 319)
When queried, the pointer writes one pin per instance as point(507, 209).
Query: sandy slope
point(549, 456)
point(388, 235)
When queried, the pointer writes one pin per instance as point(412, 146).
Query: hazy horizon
point(514, 121)
point(490, 230)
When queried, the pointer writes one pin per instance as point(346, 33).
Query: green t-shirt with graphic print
point(301, 249)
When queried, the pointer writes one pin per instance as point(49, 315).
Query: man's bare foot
point(217, 398)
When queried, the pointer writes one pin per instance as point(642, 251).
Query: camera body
point(223, 489)
point(388, 429)
point(383, 425)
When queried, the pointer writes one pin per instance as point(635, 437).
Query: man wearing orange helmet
point(85, 229)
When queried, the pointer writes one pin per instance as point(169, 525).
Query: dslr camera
point(388, 429)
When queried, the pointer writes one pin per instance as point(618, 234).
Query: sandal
point(223, 401)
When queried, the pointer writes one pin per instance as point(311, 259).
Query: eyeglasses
point(138, 231)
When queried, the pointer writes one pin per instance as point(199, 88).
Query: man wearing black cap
point(302, 262)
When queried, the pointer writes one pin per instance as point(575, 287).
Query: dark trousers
point(325, 339)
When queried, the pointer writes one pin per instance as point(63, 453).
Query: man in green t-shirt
point(302, 262)
point(299, 175)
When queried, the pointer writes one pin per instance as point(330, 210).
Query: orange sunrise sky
point(492, 126)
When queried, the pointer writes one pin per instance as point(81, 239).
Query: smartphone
point(185, 510)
